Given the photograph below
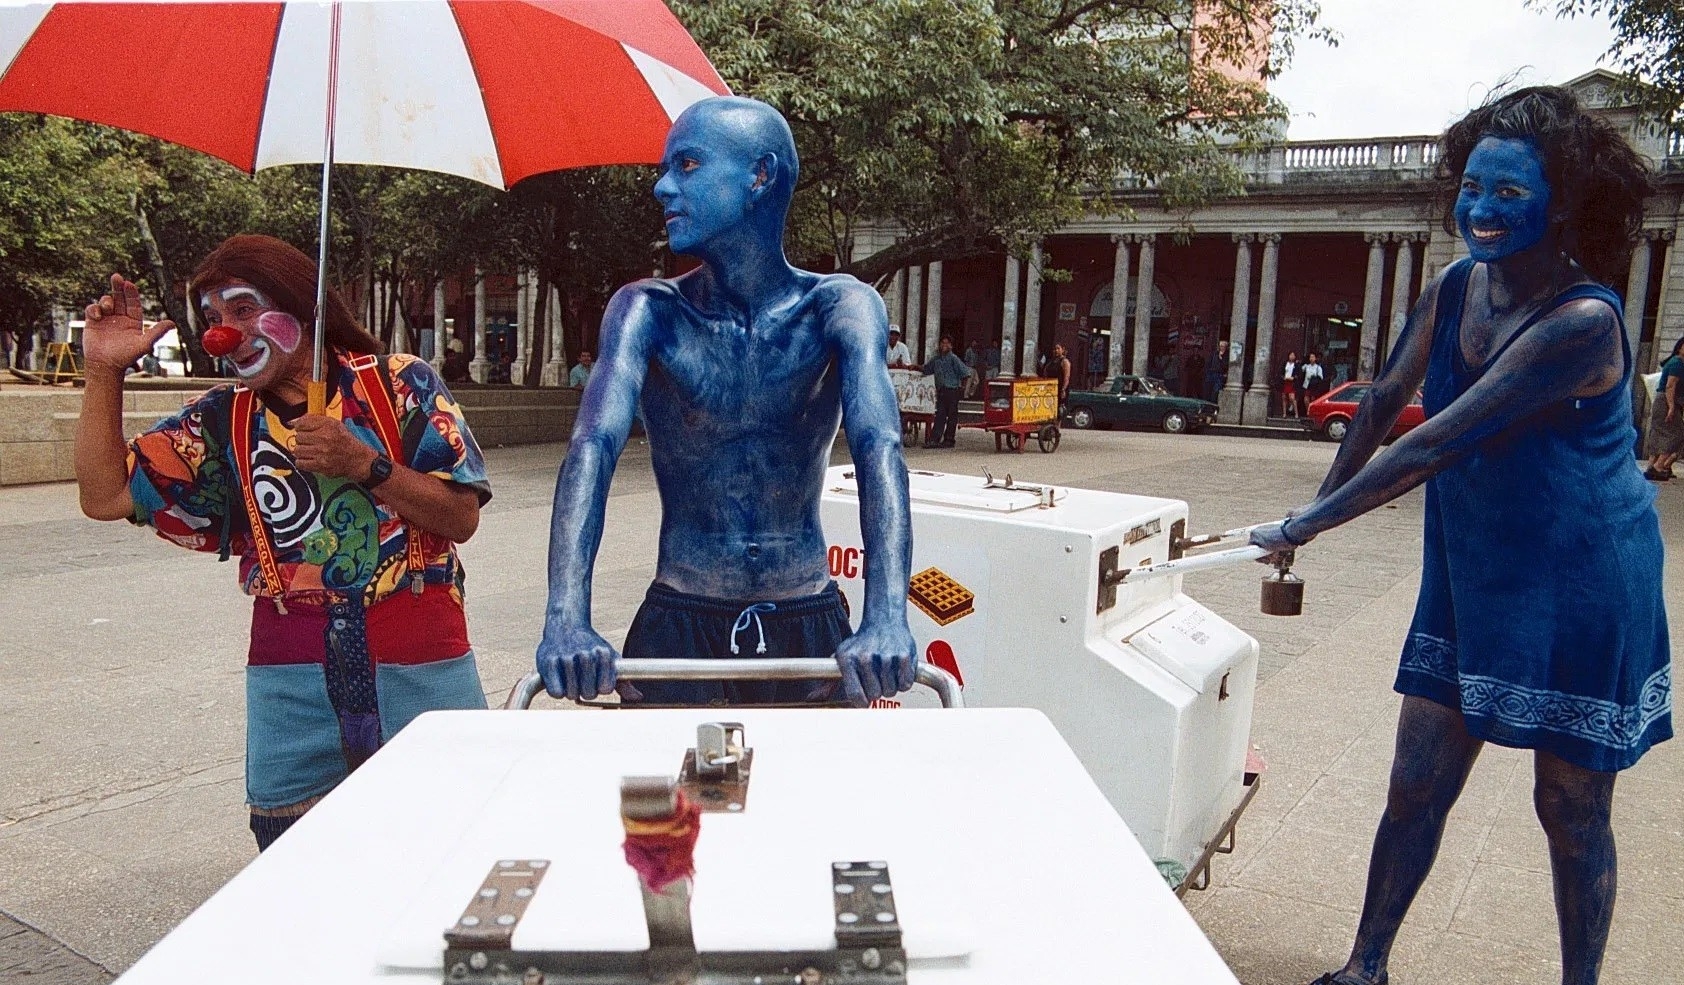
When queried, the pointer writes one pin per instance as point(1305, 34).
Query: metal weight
point(1283, 594)
point(1283, 591)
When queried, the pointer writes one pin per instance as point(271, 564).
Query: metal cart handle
point(794, 669)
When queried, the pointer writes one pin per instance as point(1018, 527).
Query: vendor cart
point(1015, 409)
point(1071, 601)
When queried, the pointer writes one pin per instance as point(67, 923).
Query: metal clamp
point(993, 483)
point(715, 774)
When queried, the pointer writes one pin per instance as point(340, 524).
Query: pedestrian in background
point(1312, 379)
point(1058, 367)
point(951, 373)
point(1216, 372)
point(1289, 387)
point(898, 355)
point(580, 374)
point(1666, 417)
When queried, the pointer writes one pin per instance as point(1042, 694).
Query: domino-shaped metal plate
point(491, 917)
point(865, 905)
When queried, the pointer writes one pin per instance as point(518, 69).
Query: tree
point(974, 124)
point(64, 219)
point(1648, 46)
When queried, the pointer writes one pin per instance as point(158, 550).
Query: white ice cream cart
point(1016, 591)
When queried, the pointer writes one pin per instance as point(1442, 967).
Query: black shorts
point(671, 624)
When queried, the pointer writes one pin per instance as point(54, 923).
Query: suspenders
point(379, 395)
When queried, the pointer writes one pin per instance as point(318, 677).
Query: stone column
point(1371, 304)
point(1032, 311)
point(441, 342)
point(1231, 398)
point(910, 329)
point(400, 325)
point(1402, 277)
point(1637, 294)
point(892, 300)
point(555, 367)
point(932, 310)
point(1143, 294)
point(1255, 408)
point(1008, 326)
point(479, 367)
point(524, 291)
point(1119, 306)
point(1669, 319)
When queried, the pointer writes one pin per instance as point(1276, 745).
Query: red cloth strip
point(663, 852)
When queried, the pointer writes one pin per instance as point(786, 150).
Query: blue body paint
point(1520, 358)
point(1503, 206)
point(744, 368)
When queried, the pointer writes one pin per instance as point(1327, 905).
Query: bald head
point(748, 129)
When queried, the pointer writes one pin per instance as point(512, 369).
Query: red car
point(1331, 414)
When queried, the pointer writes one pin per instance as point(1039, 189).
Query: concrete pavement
point(121, 716)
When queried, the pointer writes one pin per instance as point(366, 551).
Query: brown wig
point(1597, 181)
point(281, 271)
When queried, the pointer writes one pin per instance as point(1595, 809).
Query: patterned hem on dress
point(1519, 712)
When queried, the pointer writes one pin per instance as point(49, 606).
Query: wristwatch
point(378, 471)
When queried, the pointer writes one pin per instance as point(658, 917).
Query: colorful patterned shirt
point(333, 539)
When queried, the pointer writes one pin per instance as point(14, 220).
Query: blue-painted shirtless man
point(745, 368)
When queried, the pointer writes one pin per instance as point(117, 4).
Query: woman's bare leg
point(1575, 805)
point(1434, 755)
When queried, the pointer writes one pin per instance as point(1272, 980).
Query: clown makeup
point(1503, 206)
point(264, 328)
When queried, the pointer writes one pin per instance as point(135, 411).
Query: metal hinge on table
point(867, 927)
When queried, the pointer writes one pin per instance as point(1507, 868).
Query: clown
point(1540, 622)
point(345, 523)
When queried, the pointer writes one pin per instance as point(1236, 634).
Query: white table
point(1001, 849)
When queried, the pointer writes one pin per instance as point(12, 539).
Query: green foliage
point(971, 124)
point(976, 123)
point(1648, 45)
point(64, 218)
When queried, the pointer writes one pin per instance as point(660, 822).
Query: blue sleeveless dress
point(1540, 615)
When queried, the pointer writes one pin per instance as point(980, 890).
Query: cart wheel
point(1049, 439)
point(1014, 441)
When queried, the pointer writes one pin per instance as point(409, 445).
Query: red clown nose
point(220, 340)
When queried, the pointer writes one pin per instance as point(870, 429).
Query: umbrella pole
point(317, 391)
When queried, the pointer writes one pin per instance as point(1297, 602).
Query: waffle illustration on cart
point(940, 597)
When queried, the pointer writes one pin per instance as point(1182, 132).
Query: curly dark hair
point(1597, 181)
point(288, 276)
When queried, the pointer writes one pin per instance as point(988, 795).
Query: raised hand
point(114, 335)
point(876, 662)
point(577, 663)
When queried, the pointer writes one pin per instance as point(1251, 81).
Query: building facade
point(1326, 252)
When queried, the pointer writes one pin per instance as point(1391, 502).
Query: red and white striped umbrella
point(492, 90)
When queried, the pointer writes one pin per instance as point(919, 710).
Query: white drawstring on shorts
point(752, 613)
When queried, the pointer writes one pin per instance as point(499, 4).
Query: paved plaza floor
point(121, 717)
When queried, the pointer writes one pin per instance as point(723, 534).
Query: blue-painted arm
point(1399, 380)
point(1575, 351)
point(573, 658)
point(881, 658)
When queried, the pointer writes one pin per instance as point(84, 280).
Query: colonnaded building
point(1325, 252)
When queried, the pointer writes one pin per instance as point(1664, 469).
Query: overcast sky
point(1407, 67)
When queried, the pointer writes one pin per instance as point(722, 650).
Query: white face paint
point(268, 336)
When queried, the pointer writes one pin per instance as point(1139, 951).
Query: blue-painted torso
point(741, 421)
